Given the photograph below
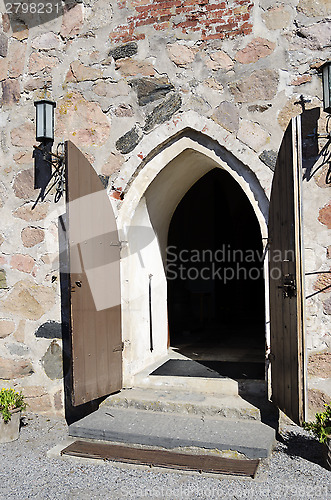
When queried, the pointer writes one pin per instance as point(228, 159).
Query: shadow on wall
point(311, 152)
point(72, 413)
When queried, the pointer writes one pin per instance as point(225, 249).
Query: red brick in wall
point(210, 19)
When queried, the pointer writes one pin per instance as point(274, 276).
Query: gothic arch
point(152, 188)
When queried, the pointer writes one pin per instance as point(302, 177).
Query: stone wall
point(117, 71)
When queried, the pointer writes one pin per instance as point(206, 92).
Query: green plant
point(321, 427)
point(10, 400)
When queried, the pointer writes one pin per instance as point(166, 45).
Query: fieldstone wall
point(117, 70)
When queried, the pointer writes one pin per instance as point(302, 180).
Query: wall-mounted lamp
point(44, 158)
point(45, 120)
point(326, 77)
point(325, 69)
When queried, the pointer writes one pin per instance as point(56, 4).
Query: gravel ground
point(294, 471)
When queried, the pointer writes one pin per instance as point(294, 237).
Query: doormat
point(162, 458)
point(210, 369)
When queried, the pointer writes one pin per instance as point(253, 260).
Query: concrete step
point(220, 385)
point(170, 430)
point(253, 387)
point(209, 384)
point(184, 402)
point(224, 386)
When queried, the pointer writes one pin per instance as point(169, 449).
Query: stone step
point(184, 402)
point(225, 386)
point(172, 431)
point(253, 387)
point(207, 382)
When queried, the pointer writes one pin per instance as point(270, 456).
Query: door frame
point(140, 196)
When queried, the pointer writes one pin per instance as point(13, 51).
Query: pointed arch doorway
point(216, 289)
point(150, 203)
point(156, 191)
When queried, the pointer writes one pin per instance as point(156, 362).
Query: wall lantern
point(44, 158)
point(45, 120)
point(326, 77)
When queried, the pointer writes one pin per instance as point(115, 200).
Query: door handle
point(73, 287)
point(289, 286)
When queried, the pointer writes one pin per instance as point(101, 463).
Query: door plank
point(94, 257)
point(287, 326)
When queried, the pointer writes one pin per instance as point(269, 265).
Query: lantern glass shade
point(326, 76)
point(44, 120)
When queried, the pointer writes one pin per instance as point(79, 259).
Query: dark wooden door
point(94, 260)
point(288, 378)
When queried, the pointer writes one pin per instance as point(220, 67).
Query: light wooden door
point(287, 318)
point(94, 270)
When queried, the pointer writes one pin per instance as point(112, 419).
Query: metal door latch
point(289, 286)
point(73, 287)
point(119, 347)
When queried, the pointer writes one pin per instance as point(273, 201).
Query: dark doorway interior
point(216, 302)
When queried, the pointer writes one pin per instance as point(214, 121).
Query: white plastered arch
point(152, 192)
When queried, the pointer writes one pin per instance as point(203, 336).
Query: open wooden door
point(286, 278)
point(94, 259)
